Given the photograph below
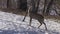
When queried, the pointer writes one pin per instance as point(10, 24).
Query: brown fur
point(37, 16)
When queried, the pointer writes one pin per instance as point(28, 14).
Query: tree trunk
point(45, 3)
point(49, 6)
point(35, 5)
point(38, 1)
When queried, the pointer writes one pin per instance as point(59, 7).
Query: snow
point(12, 24)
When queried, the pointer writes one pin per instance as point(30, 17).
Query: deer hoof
point(22, 20)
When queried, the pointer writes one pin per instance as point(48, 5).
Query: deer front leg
point(30, 21)
point(24, 17)
point(45, 26)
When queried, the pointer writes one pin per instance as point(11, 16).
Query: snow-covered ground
point(12, 24)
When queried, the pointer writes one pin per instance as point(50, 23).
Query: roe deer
point(37, 16)
point(32, 12)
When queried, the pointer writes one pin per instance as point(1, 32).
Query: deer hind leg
point(24, 17)
point(39, 22)
point(42, 22)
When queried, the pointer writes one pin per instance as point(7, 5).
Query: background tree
point(49, 6)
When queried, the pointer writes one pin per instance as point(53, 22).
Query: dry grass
point(21, 12)
point(14, 11)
